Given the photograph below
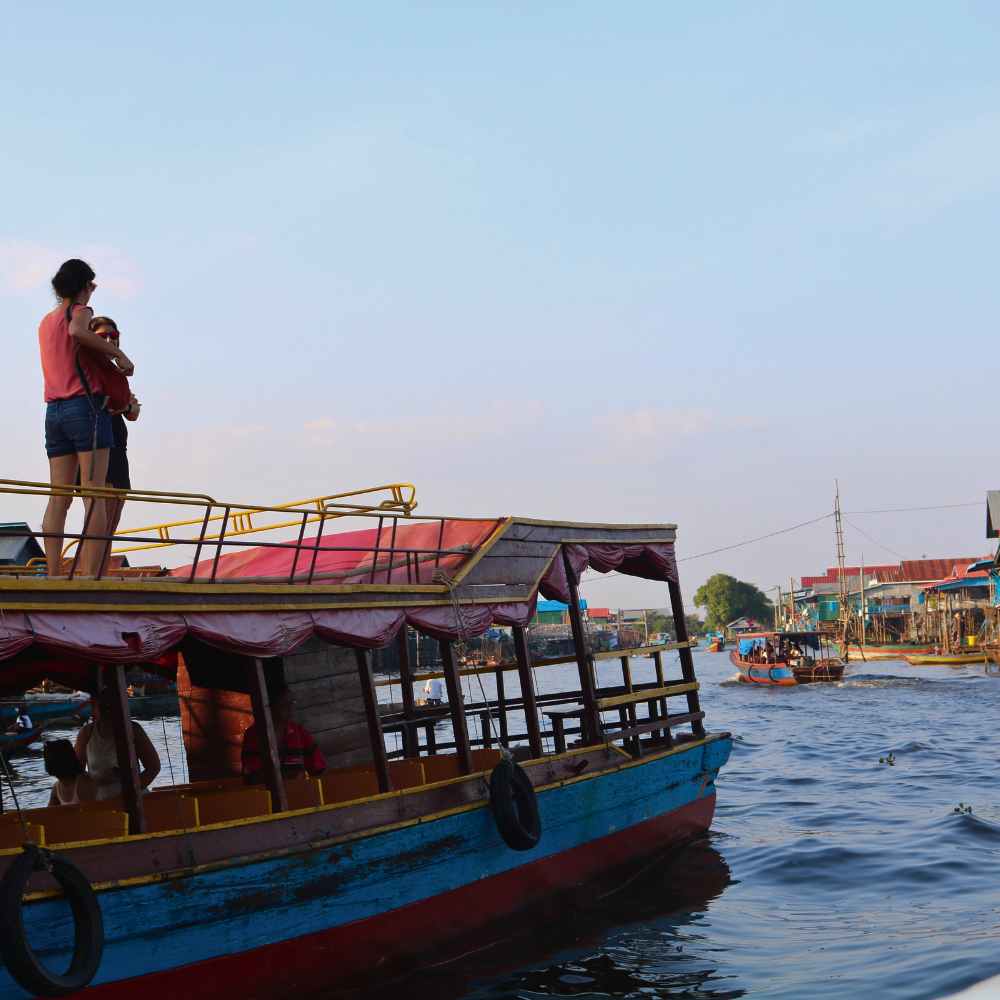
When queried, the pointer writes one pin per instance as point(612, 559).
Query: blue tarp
point(557, 606)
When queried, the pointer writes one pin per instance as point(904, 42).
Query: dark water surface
point(827, 873)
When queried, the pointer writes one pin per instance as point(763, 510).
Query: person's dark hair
point(72, 278)
point(61, 760)
point(98, 321)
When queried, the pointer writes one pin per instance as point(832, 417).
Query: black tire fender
point(515, 806)
point(88, 925)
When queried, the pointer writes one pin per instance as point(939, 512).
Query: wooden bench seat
point(233, 804)
point(68, 824)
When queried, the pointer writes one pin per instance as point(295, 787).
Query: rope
point(442, 576)
point(13, 794)
point(166, 747)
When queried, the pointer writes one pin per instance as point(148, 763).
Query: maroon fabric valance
point(654, 561)
point(138, 638)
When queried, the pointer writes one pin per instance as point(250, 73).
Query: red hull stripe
point(358, 951)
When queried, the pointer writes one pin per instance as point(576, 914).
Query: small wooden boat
point(11, 743)
point(760, 661)
point(947, 659)
point(44, 706)
point(889, 651)
point(716, 642)
point(789, 659)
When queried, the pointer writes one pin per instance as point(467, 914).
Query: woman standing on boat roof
point(77, 424)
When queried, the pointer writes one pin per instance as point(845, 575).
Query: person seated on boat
point(97, 751)
point(434, 692)
point(297, 750)
point(73, 784)
point(23, 723)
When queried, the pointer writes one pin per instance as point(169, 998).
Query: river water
point(827, 872)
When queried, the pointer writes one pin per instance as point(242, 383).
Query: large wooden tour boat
point(430, 828)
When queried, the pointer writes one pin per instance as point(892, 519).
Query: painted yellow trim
point(179, 873)
point(617, 654)
point(236, 608)
point(635, 697)
point(594, 524)
point(172, 585)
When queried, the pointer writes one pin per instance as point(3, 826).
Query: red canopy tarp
point(348, 557)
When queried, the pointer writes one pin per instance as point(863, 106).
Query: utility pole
point(791, 602)
point(844, 613)
point(863, 632)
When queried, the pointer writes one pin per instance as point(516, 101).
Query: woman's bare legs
point(62, 472)
point(113, 512)
point(94, 472)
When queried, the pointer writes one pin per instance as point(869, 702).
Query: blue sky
point(591, 261)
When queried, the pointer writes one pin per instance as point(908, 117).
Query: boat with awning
point(431, 828)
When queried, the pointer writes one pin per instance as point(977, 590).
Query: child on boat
point(73, 785)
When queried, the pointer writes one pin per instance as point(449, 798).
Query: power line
point(875, 541)
point(725, 548)
point(805, 524)
point(907, 510)
point(759, 538)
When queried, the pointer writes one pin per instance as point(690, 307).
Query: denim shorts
point(80, 423)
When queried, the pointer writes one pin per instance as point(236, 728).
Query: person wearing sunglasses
point(78, 432)
point(118, 470)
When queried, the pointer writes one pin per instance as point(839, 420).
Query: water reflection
point(636, 936)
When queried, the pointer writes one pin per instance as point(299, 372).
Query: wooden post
point(457, 707)
point(523, 655)
point(411, 741)
point(501, 705)
point(267, 739)
point(630, 710)
point(591, 721)
point(128, 764)
point(687, 660)
point(374, 720)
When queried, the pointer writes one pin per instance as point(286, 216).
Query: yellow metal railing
point(243, 519)
point(390, 500)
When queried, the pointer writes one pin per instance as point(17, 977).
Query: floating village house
point(897, 598)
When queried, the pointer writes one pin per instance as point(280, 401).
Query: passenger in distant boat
point(297, 750)
point(73, 784)
point(96, 749)
point(434, 692)
point(78, 431)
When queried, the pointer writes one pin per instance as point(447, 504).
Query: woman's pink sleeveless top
point(58, 350)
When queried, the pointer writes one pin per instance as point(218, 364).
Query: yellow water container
point(970, 641)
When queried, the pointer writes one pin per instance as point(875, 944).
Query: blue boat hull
point(337, 911)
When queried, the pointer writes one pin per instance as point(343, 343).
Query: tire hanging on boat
point(88, 925)
point(515, 806)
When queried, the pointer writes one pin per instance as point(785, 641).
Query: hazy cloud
point(26, 266)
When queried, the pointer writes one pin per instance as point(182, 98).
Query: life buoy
point(88, 926)
point(514, 806)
